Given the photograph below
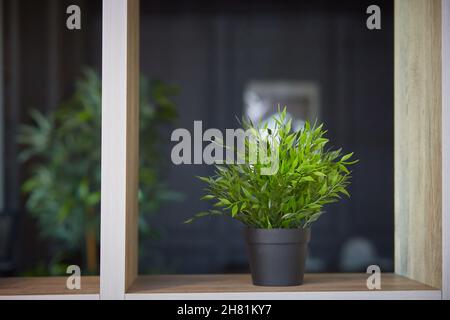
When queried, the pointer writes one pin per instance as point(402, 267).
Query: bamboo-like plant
point(309, 176)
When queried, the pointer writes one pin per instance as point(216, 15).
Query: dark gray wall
point(211, 52)
point(211, 49)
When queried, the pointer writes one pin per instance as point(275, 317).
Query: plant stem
point(91, 245)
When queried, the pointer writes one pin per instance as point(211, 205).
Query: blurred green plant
point(62, 151)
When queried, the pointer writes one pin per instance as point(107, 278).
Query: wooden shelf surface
point(319, 282)
point(39, 286)
point(220, 286)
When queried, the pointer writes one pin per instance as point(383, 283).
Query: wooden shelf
point(232, 286)
point(50, 287)
point(334, 286)
point(422, 210)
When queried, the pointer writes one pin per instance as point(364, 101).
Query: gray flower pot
point(277, 256)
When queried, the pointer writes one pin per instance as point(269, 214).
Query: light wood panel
point(132, 180)
point(446, 149)
point(239, 286)
point(417, 154)
point(2, 114)
point(317, 286)
point(47, 286)
point(120, 144)
point(242, 283)
point(418, 138)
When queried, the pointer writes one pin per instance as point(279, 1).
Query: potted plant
point(279, 208)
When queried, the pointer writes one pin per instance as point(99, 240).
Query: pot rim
point(277, 236)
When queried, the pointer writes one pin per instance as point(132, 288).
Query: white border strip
point(446, 149)
point(114, 150)
point(2, 114)
point(53, 297)
point(329, 295)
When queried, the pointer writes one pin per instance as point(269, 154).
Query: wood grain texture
point(317, 286)
point(418, 137)
point(320, 282)
point(120, 125)
point(2, 108)
point(293, 295)
point(47, 286)
point(446, 149)
point(132, 179)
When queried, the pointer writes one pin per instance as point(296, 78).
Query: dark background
point(211, 50)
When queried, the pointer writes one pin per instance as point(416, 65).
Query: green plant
point(309, 176)
point(62, 150)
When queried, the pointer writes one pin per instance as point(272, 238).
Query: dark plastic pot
point(277, 256)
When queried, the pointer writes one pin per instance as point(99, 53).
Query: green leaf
point(204, 179)
point(234, 211)
point(246, 193)
point(93, 199)
point(269, 225)
point(347, 156)
point(225, 201)
point(307, 179)
point(343, 168)
point(342, 190)
point(319, 174)
point(198, 215)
